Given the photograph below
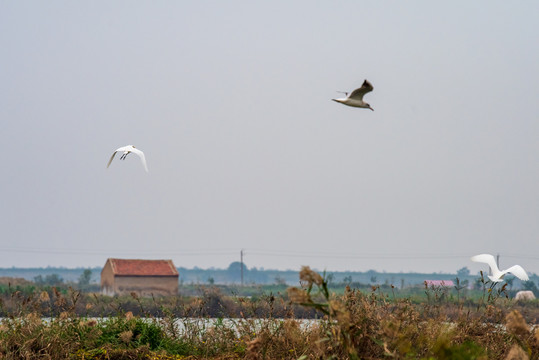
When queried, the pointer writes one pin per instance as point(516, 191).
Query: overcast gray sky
point(231, 103)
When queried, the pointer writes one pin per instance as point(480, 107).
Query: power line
point(252, 252)
point(357, 256)
point(314, 254)
point(119, 251)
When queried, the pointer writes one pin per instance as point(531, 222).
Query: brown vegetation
point(355, 325)
point(14, 281)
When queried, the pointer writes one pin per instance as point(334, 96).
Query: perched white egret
point(355, 99)
point(126, 150)
point(497, 274)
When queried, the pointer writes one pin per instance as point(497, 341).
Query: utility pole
point(241, 261)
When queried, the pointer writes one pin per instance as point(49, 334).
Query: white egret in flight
point(126, 150)
point(497, 274)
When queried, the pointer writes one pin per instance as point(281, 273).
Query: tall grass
point(356, 324)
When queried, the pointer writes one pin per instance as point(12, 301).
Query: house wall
point(107, 279)
point(145, 285)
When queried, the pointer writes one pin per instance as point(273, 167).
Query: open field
point(353, 324)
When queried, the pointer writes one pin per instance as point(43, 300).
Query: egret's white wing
point(518, 271)
point(142, 157)
point(112, 157)
point(358, 93)
point(488, 259)
point(125, 148)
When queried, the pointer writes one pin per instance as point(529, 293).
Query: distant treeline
point(233, 275)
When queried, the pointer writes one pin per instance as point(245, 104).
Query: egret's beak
point(371, 108)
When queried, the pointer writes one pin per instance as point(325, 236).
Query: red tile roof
point(136, 267)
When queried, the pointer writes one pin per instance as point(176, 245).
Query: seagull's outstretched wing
point(142, 157)
point(488, 259)
point(518, 271)
point(112, 157)
point(358, 93)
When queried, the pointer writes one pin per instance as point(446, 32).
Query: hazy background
point(230, 101)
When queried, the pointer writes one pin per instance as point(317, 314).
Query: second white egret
point(126, 150)
point(497, 274)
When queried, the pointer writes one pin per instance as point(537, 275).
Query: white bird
point(356, 97)
point(126, 150)
point(497, 274)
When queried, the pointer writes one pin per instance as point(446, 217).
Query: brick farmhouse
point(144, 277)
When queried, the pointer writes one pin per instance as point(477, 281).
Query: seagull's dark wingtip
point(367, 84)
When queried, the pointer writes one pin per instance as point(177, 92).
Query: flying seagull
point(498, 275)
point(356, 97)
point(126, 150)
